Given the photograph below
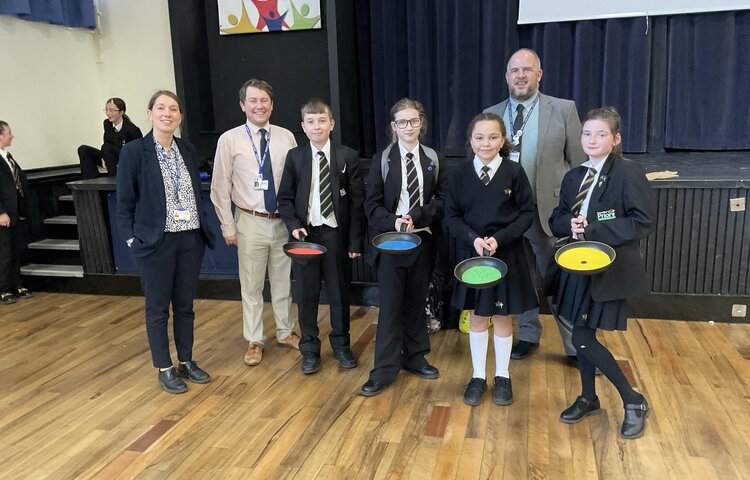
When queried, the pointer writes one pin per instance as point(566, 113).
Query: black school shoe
point(522, 349)
point(6, 298)
point(502, 391)
point(634, 423)
point(170, 382)
point(193, 372)
point(581, 408)
point(474, 390)
point(310, 363)
point(23, 293)
point(345, 358)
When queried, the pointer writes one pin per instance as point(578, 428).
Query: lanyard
point(172, 174)
point(517, 135)
point(260, 159)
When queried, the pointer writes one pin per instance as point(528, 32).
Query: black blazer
point(9, 198)
point(141, 199)
point(347, 192)
point(382, 197)
point(128, 132)
point(622, 191)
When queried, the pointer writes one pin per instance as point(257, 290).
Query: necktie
point(412, 181)
point(485, 175)
point(269, 195)
point(576, 208)
point(326, 202)
point(517, 126)
point(15, 170)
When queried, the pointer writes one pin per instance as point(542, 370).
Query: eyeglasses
point(111, 110)
point(414, 122)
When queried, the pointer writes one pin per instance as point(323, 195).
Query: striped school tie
point(326, 202)
point(412, 181)
point(485, 175)
point(576, 208)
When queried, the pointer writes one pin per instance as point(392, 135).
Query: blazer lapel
point(393, 179)
point(545, 116)
point(427, 176)
point(305, 180)
point(154, 170)
point(603, 181)
point(335, 180)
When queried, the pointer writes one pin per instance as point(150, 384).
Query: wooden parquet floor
point(79, 399)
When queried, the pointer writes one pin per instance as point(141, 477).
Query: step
point(46, 270)
point(55, 244)
point(61, 220)
point(65, 198)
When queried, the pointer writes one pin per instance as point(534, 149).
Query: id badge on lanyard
point(260, 183)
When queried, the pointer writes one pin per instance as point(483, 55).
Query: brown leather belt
point(260, 214)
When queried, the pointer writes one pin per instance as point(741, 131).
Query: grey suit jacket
point(558, 149)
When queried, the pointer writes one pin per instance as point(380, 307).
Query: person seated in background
point(118, 130)
point(321, 197)
point(12, 193)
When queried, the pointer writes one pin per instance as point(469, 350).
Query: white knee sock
point(503, 346)
point(478, 342)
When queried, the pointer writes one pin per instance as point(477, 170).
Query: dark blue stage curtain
point(674, 79)
point(71, 13)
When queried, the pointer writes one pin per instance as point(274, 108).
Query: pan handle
point(302, 237)
point(402, 227)
point(485, 252)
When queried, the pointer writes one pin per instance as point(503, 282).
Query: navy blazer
point(9, 198)
point(347, 192)
point(621, 212)
point(141, 199)
point(381, 200)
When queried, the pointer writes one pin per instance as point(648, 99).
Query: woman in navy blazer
point(617, 209)
point(159, 213)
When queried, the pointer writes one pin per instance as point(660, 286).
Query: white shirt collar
point(326, 149)
point(118, 126)
point(598, 167)
point(255, 129)
point(404, 151)
point(494, 164)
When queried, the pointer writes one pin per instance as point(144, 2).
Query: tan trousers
point(259, 246)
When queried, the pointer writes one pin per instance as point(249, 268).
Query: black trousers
point(401, 337)
point(10, 257)
point(335, 269)
point(170, 274)
point(91, 158)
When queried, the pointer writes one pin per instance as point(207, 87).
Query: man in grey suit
point(546, 136)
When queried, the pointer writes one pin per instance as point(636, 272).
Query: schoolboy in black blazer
point(321, 196)
point(12, 194)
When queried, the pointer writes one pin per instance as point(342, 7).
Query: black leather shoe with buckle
point(634, 423)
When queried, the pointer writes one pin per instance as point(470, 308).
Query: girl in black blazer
point(616, 208)
point(160, 214)
point(489, 207)
point(401, 339)
point(114, 139)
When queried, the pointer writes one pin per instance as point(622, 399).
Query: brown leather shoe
point(290, 341)
point(254, 354)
